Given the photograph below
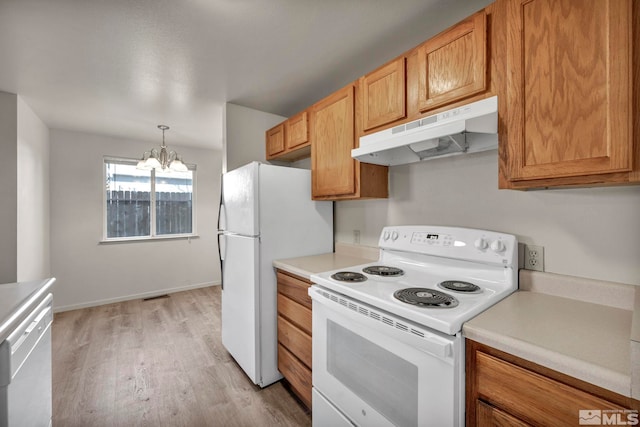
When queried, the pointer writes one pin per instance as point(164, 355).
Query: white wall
point(8, 187)
point(90, 273)
point(587, 232)
point(33, 257)
point(244, 135)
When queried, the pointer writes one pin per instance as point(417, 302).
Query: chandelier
point(167, 161)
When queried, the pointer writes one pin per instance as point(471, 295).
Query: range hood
point(467, 129)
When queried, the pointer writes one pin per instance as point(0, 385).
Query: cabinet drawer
point(298, 314)
point(530, 396)
point(490, 416)
point(295, 288)
point(298, 375)
point(295, 340)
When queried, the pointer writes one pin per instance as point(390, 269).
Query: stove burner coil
point(460, 286)
point(383, 270)
point(424, 297)
point(349, 276)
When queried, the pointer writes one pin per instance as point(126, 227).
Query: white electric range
point(387, 343)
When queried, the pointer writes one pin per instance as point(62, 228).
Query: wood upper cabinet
point(335, 175)
point(332, 133)
point(504, 390)
point(289, 140)
point(570, 93)
point(383, 95)
point(275, 141)
point(453, 64)
point(297, 131)
point(463, 64)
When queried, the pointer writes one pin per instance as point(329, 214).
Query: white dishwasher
point(25, 371)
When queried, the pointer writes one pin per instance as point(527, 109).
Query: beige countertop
point(580, 338)
point(344, 257)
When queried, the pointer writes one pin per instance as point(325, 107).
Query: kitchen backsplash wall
point(586, 232)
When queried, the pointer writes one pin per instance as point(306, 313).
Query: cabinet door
point(297, 131)
point(332, 139)
point(275, 141)
point(383, 95)
point(453, 64)
point(569, 92)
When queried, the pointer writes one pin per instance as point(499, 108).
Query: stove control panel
point(453, 242)
point(432, 239)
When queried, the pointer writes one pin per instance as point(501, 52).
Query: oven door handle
point(423, 339)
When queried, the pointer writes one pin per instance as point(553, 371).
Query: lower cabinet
point(504, 390)
point(294, 334)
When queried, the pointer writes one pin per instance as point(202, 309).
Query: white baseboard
point(130, 297)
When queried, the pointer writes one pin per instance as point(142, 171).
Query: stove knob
point(394, 236)
point(497, 246)
point(481, 243)
point(385, 236)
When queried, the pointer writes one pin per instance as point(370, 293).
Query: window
point(147, 204)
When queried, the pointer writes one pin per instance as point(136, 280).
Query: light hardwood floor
point(157, 363)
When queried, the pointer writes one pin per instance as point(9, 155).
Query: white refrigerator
point(266, 213)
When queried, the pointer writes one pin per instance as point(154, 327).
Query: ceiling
point(121, 67)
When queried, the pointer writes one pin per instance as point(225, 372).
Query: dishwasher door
point(26, 399)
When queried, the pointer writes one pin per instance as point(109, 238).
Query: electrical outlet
point(534, 257)
point(356, 237)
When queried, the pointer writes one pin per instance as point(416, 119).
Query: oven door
point(379, 370)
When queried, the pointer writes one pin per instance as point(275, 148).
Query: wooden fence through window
point(129, 214)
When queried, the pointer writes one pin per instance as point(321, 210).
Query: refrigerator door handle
point(221, 209)
point(220, 251)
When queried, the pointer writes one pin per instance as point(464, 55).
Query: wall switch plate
point(534, 257)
